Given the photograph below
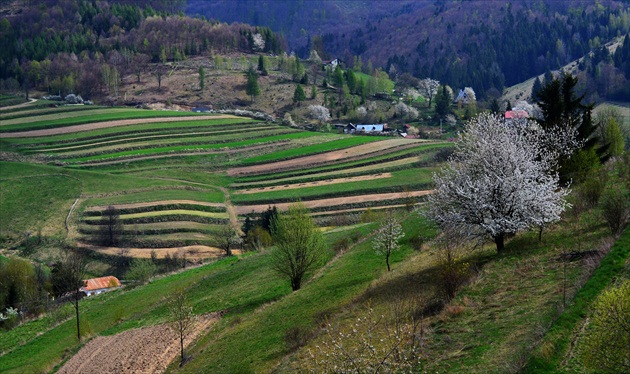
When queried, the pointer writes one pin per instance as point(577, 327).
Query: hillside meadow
point(177, 184)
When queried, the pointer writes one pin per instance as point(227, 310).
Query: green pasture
point(57, 115)
point(49, 195)
point(214, 135)
point(156, 195)
point(33, 111)
point(115, 114)
point(238, 284)
point(189, 141)
point(163, 150)
point(160, 213)
point(124, 132)
point(332, 145)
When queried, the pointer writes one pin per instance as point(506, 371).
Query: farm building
point(97, 286)
point(511, 115)
point(368, 129)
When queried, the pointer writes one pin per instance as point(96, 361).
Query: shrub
point(342, 245)
point(615, 206)
point(141, 270)
point(452, 273)
point(604, 348)
point(589, 192)
point(296, 337)
point(416, 242)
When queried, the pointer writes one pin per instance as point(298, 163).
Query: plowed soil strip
point(245, 209)
point(316, 183)
point(144, 350)
point(104, 125)
point(192, 252)
point(153, 203)
point(311, 161)
point(383, 165)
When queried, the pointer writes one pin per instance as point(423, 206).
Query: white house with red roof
point(97, 286)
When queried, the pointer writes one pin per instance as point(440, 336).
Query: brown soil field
point(103, 125)
point(383, 165)
point(345, 154)
point(245, 209)
point(153, 203)
point(144, 350)
point(316, 183)
point(193, 252)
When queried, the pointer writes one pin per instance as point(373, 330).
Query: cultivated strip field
point(175, 179)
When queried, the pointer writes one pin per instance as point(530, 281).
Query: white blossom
point(500, 180)
point(318, 112)
point(386, 239)
point(405, 111)
point(259, 42)
point(428, 87)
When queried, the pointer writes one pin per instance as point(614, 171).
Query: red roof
point(516, 114)
point(100, 283)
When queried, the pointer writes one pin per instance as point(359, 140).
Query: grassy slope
point(241, 285)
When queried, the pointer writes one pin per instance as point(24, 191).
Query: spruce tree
point(202, 78)
point(298, 94)
point(251, 87)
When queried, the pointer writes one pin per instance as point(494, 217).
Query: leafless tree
point(182, 319)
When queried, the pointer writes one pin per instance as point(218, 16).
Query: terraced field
point(177, 178)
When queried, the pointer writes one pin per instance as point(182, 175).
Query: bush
point(341, 245)
point(141, 270)
point(416, 242)
point(604, 348)
point(296, 337)
point(615, 206)
point(452, 273)
point(589, 192)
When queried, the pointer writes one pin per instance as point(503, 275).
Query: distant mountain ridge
point(483, 44)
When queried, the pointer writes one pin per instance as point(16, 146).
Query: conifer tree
point(251, 87)
point(299, 95)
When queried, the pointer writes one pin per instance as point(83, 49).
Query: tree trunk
point(181, 341)
point(295, 284)
point(76, 308)
point(499, 240)
point(387, 261)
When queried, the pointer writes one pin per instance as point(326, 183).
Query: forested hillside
point(481, 44)
point(59, 46)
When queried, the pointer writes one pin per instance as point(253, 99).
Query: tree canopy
point(499, 181)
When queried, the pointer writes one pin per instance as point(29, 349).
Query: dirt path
point(153, 203)
point(316, 183)
point(104, 125)
point(31, 101)
point(244, 209)
point(332, 156)
point(144, 350)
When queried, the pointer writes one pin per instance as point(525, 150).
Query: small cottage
point(97, 286)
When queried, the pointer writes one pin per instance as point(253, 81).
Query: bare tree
point(387, 237)
point(111, 227)
point(182, 319)
point(68, 278)
point(228, 238)
point(299, 244)
point(500, 180)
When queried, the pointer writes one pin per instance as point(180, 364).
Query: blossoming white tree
point(386, 239)
point(320, 113)
point(428, 88)
point(500, 180)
